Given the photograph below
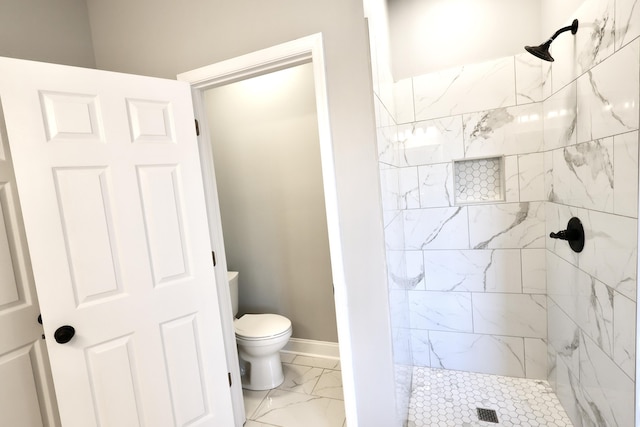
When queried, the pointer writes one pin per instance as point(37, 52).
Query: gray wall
point(264, 134)
point(48, 31)
point(163, 38)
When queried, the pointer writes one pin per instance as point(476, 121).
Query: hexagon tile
point(446, 398)
point(478, 180)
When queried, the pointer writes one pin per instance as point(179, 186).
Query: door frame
point(297, 52)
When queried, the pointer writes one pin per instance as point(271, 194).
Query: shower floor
point(450, 399)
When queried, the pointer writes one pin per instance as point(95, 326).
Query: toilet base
point(261, 373)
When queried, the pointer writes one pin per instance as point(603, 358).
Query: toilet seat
point(254, 327)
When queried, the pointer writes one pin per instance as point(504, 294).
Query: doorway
point(307, 50)
point(266, 153)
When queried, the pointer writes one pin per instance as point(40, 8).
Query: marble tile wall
point(591, 171)
point(481, 287)
point(486, 290)
point(473, 275)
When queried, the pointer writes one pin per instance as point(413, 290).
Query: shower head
point(542, 51)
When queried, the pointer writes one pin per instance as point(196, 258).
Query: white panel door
point(26, 391)
point(109, 180)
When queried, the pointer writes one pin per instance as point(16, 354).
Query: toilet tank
point(233, 290)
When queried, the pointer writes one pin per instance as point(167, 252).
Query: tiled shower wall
point(591, 164)
point(482, 282)
point(472, 275)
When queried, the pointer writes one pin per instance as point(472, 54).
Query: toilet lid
point(261, 325)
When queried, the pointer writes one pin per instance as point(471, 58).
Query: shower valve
point(574, 234)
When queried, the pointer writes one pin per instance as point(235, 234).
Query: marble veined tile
point(610, 390)
point(289, 409)
point(317, 362)
point(624, 340)
point(583, 175)
point(564, 282)
point(531, 177)
point(436, 228)
point(627, 21)
point(388, 147)
point(403, 96)
point(595, 313)
point(430, 141)
point(301, 379)
point(401, 346)
point(560, 118)
point(478, 353)
point(405, 269)
point(329, 385)
point(610, 250)
point(252, 399)
point(529, 81)
point(548, 176)
point(534, 271)
point(393, 230)
point(547, 89)
point(473, 270)
point(420, 348)
point(586, 300)
point(436, 185)
point(593, 42)
point(441, 311)
point(535, 355)
point(625, 174)
point(522, 315)
point(608, 96)
point(400, 188)
point(511, 179)
point(578, 405)
point(595, 37)
point(564, 337)
point(509, 225)
point(465, 89)
point(503, 131)
point(399, 308)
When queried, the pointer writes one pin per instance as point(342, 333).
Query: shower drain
point(488, 415)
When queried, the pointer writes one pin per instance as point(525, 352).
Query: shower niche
point(479, 180)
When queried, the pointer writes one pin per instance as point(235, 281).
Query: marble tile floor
point(311, 396)
point(444, 398)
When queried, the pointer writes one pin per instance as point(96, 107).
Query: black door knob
point(64, 334)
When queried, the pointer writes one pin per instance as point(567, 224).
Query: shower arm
point(573, 28)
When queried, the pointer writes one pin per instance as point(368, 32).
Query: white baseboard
point(312, 348)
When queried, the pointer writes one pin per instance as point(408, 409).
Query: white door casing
point(296, 52)
point(26, 390)
point(108, 174)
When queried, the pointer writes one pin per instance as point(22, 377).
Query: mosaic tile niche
point(478, 180)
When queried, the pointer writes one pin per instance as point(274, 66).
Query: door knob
point(64, 334)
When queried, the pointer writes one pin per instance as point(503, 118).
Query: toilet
point(260, 337)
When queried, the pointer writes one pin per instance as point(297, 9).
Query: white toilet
point(260, 337)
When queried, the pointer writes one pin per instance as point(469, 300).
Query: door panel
point(108, 173)
point(85, 211)
point(26, 397)
point(161, 192)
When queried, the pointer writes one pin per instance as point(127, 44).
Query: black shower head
point(542, 51)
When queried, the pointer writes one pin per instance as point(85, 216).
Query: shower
point(542, 51)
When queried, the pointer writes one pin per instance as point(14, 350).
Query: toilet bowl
point(259, 337)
